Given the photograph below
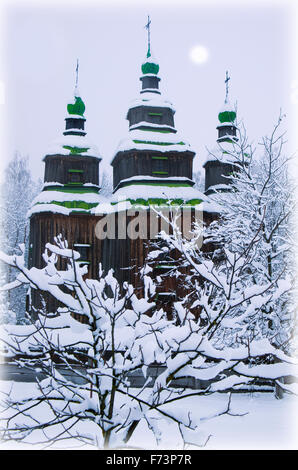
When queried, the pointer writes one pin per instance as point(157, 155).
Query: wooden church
point(152, 168)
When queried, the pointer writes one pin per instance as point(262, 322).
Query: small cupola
point(150, 68)
point(75, 120)
point(227, 130)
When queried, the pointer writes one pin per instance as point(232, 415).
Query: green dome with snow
point(227, 113)
point(150, 66)
point(77, 108)
point(227, 116)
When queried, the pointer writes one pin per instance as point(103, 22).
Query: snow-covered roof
point(156, 141)
point(158, 190)
point(226, 124)
point(151, 99)
point(227, 106)
point(227, 112)
point(149, 75)
point(74, 131)
point(53, 208)
point(145, 195)
point(212, 204)
point(75, 116)
point(181, 179)
point(150, 58)
point(152, 125)
point(51, 183)
point(220, 187)
point(150, 90)
point(73, 145)
point(224, 152)
point(150, 65)
point(141, 195)
point(62, 196)
point(64, 202)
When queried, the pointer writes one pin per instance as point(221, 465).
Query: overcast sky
point(41, 45)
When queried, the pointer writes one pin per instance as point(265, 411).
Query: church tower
point(154, 157)
point(219, 163)
point(152, 167)
point(69, 195)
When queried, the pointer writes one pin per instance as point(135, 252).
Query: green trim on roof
point(160, 172)
point(162, 183)
point(157, 143)
point(79, 212)
point(151, 129)
point(154, 114)
point(65, 189)
point(227, 139)
point(72, 204)
point(163, 201)
point(159, 158)
point(76, 150)
point(75, 171)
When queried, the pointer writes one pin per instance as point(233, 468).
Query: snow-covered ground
point(266, 423)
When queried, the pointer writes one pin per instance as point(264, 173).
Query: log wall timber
point(77, 228)
point(141, 163)
point(57, 168)
point(126, 256)
point(217, 172)
point(149, 114)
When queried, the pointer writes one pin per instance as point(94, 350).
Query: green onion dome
point(78, 107)
point(150, 65)
point(227, 113)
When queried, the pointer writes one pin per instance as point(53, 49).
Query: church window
point(160, 166)
point(84, 250)
point(75, 176)
point(155, 117)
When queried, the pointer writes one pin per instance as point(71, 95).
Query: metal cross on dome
point(147, 26)
point(227, 85)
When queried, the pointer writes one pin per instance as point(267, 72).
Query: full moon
point(198, 54)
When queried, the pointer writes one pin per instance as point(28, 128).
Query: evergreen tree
point(106, 184)
point(199, 180)
point(17, 191)
point(259, 207)
point(247, 248)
